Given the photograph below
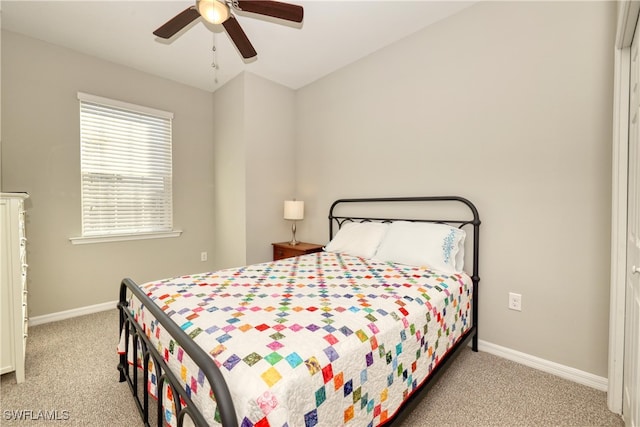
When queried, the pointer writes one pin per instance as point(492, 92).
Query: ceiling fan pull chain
point(214, 62)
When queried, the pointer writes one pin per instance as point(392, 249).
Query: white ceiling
point(332, 35)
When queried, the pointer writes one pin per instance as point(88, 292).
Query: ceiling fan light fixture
point(213, 11)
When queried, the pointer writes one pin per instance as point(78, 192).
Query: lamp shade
point(214, 11)
point(293, 209)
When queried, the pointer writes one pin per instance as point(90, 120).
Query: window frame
point(127, 235)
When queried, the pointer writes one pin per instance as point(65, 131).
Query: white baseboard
point(566, 372)
point(68, 314)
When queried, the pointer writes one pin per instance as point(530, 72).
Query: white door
point(631, 373)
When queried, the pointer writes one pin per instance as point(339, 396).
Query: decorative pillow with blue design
point(436, 246)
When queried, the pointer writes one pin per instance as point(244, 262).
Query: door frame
point(627, 20)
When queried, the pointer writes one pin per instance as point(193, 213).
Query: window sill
point(122, 237)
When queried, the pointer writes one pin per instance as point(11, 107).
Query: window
point(126, 169)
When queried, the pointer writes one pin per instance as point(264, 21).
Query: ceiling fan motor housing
point(213, 11)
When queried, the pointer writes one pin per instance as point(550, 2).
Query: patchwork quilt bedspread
point(321, 339)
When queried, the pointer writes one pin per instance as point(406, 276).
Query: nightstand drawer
point(279, 253)
point(285, 250)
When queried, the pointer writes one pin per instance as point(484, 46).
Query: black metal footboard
point(164, 375)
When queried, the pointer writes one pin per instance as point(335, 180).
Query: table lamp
point(293, 211)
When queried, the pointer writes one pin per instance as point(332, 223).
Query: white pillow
point(358, 238)
point(437, 246)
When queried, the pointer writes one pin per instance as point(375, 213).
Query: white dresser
point(13, 298)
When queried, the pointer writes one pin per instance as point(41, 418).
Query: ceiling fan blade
point(276, 9)
point(239, 38)
point(177, 23)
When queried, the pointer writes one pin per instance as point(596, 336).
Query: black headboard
point(468, 218)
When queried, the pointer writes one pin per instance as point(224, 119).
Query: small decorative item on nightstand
point(287, 250)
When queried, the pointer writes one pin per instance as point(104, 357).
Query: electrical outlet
point(203, 256)
point(515, 301)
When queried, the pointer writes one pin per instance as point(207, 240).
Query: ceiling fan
point(218, 12)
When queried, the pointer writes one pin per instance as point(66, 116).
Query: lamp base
point(293, 241)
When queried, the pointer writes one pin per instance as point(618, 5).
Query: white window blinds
point(126, 168)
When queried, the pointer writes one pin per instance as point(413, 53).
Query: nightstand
point(285, 250)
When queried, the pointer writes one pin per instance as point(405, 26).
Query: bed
point(353, 335)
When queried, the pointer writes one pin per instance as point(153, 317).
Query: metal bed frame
point(225, 408)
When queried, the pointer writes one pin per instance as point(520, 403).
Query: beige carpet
point(72, 376)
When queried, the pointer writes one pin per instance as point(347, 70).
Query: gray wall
point(270, 130)
point(41, 155)
point(253, 167)
point(510, 105)
point(230, 175)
